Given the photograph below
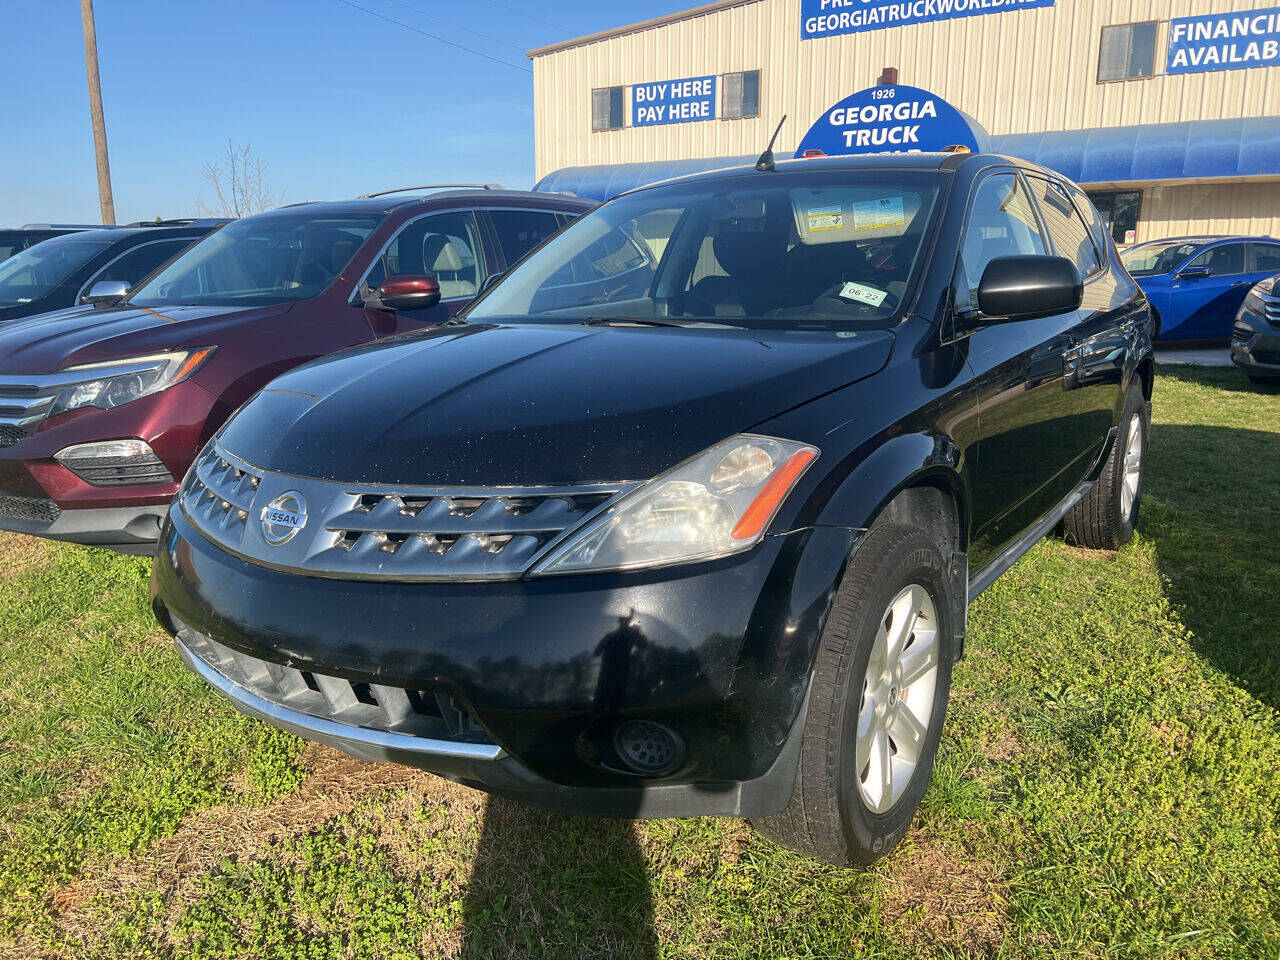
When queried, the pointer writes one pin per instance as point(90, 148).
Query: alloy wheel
point(897, 698)
point(1132, 468)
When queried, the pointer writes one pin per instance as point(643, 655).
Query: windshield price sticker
point(874, 214)
point(863, 294)
point(825, 218)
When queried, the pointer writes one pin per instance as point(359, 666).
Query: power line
point(458, 26)
point(399, 23)
point(530, 16)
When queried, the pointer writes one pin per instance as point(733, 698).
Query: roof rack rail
point(63, 226)
point(179, 222)
point(431, 186)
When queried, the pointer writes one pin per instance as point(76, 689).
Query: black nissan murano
point(683, 515)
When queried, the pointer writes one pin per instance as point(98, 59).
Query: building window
point(1128, 51)
point(741, 95)
point(1120, 212)
point(606, 108)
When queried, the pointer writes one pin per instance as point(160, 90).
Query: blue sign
point(829, 18)
point(673, 101)
point(1225, 41)
point(892, 119)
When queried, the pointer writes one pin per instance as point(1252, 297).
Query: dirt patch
point(173, 866)
point(943, 898)
point(20, 554)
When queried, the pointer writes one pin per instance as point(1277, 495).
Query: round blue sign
point(892, 119)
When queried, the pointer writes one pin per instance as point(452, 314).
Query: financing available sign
point(673, 101)
point(892, 119)
point(1224, 41)
point(829, 18)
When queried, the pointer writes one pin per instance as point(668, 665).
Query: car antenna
point(765, 163)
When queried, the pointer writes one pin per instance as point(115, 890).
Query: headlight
point(1253, 299)
point(107, 385)
point(719, 503)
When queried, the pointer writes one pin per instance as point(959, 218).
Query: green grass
point(1109, 784)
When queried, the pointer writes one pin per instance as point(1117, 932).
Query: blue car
point(1196, 284)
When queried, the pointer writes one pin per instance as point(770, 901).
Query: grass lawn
point(1109, 784)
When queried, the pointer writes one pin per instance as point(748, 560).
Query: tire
point(1107, 516)
point(833, 815)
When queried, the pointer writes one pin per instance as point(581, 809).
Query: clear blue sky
point(335, 100)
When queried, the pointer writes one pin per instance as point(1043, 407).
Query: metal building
point(1168, 111)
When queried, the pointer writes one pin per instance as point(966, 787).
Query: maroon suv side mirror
point(407, 291)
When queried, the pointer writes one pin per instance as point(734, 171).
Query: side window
point(1222, 261)
point(141, 261)
point(1266, 257)
point(1002, 223)
point(445, 246)
point(1070, 236)
point(519, 231)
point(1097, 224)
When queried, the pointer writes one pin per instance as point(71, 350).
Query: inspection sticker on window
point(863, 294)
point(825, 218)
point(874, 214)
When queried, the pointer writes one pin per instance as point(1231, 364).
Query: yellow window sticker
point(863, 293)
point(876, 214)
point(825, 218)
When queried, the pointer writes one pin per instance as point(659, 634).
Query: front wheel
point(1108, 514)
point(877, 703)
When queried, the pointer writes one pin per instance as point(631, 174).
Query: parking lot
point(1107, 783)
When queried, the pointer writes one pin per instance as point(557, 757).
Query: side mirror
point(106, 293)
point(1027, 287)
point(1195, 273)
point(491, 280)
point(408, 291)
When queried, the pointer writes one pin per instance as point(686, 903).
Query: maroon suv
point(103, 408)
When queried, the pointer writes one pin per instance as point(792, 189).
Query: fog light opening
point(647, 748)
point(114, 463)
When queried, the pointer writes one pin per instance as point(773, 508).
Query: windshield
point(1161, 256)
point(36, 271)
point(279, 257)
point(781, 251)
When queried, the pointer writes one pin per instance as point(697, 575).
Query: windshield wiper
point(657, 322)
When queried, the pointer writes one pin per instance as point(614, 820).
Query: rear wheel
point(877, 704)
point(1107, 516)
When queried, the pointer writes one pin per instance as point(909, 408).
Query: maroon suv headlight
point(116, 382)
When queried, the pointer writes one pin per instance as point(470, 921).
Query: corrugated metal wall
point(1248, 208)
point(1016, 72)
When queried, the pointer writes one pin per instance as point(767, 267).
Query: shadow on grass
point(1211, 510)
point(548, 885)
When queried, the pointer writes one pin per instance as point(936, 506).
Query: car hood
point(47, 342)
point(532, 404)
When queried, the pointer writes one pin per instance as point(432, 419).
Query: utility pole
point(95, 110)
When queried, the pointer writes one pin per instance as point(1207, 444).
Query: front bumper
point(123, 529)
point(721, 653)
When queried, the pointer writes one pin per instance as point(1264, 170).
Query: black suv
point(64, 271)
point(29, 234)
point(685, 517)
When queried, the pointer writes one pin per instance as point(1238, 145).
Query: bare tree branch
point(239, 182)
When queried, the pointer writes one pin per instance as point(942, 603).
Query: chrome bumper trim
point(330, 731)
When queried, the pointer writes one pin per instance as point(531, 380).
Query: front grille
point(25, 401)
point(1271, 306)
point(359, 531)
point(31, 509)
point(120, 471)
point(371, 706)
